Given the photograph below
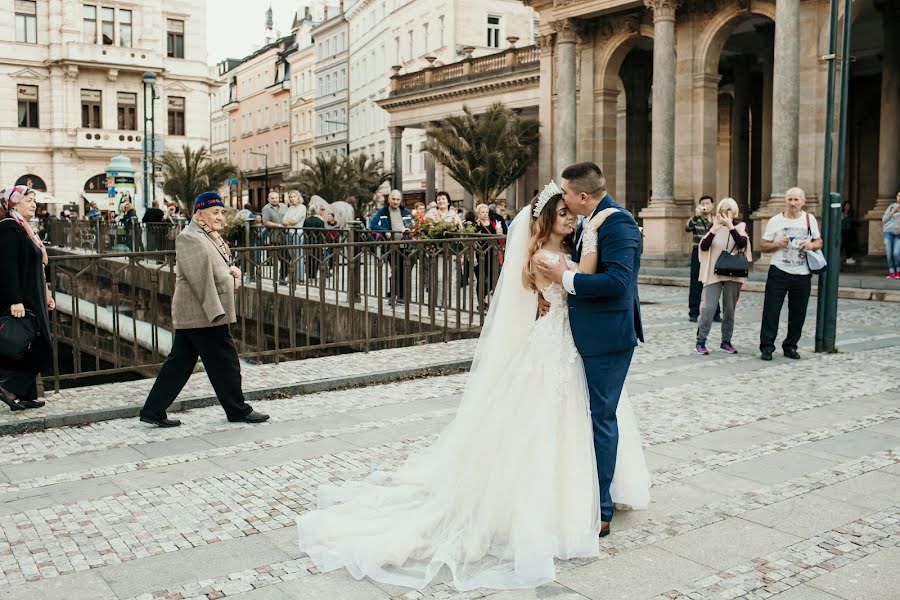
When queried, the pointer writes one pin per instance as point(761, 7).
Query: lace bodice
point(554, 293)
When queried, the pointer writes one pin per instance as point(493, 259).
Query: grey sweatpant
point(729, 291)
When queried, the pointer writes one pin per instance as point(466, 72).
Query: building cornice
point(487, 86)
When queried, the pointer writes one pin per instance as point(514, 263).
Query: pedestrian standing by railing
point(154, 222)
point(202, 310)
point(293, 220)
point(314, 228)
point(891, 229)
point(273, 216)
point(24, 293)
point(393, 222)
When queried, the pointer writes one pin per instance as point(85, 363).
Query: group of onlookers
point(720, 266)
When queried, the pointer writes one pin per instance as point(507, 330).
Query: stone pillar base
point(666, 244)
point(876, 235)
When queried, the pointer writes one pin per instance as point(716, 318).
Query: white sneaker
point(850, 261)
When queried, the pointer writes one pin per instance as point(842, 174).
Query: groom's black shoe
point(604, 531)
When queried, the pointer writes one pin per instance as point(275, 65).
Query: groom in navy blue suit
point(604, 311)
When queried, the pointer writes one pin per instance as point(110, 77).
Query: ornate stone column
point(585, 117)
point(565, 133)
point(545, 44)
point(785, 116)
point(889, 130)
point(396, 134)
point(663, 218)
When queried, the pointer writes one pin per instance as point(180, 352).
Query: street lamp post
point(265, 155)
point(149, 80)
point(826, 310)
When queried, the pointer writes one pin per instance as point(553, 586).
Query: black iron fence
point(294, 300)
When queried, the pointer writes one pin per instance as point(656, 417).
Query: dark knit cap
point(207, 200)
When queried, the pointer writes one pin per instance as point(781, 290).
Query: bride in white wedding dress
point(511, 483)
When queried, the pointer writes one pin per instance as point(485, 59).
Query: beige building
point(434, 32)
point(74, 98)
point(302, 62)
point(259, 118)
point(678, 99)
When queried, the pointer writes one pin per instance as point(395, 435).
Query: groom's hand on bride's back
point(543, 305)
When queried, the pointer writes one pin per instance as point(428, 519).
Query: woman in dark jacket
point(23, 290)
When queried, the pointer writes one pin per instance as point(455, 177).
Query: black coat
point(154, 215)
point(23, 282)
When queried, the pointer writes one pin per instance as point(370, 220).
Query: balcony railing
point(113, 312)
point(512, 60)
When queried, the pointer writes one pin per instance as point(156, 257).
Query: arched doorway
point(634, 126)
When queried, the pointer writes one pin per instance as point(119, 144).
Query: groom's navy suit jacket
point(605, 312)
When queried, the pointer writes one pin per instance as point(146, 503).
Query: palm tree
point(320, 176)
point(362, 177)
point(485, 153)
point(192, 172)
point(352, 178)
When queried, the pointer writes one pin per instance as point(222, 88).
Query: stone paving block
point(336, 584)
point(551, 591)
point(167, 475)
point(631, 575)
point(86, 585)
point(43, 468)
point(250, 460)
point(807, 515)
point(774, 468)
point(727, 543)
point(805, 592)
point(271, 592)
point(133, 578)
point(73, 491)
point(856, 443)
point(876, 577)
point(721, 483)
point(732, 438)
point(872, 490)
point(169, 447)
point(285, 539)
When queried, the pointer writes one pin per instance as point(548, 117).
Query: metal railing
point(105, 236)
point(113, 317)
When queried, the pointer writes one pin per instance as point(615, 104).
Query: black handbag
point(732, 265)
point(17, 334)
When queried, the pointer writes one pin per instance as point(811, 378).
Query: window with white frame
point(174, 38)
point(26, 21)
point(493, 31)
point(91, 101)
point(126, 110)
point(425, 34)
point(28, 105)
point(175, 106)
point(89, 24)
point(107, 26)
point(441, 29)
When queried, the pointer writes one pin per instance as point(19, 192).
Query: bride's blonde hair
point(540, 228)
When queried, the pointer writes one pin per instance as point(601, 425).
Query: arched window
point(32, 181)
point(96, 184)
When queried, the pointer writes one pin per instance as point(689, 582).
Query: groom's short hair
point(585, 177)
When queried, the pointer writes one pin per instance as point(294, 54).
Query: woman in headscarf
point(24, 291)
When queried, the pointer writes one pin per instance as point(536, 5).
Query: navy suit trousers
point(606, 378)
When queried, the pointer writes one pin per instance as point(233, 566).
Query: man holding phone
point(789, 235)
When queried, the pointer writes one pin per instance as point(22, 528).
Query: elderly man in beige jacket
point(202, 309)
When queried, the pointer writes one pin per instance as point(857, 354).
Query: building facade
point(331, 41)
point(302, 63)
point(676, 99)
point(369, 24)
point(74, 97)
point(259, 117)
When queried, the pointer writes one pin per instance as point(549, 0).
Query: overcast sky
point(235, 28)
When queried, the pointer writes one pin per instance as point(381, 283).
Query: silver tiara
point(550, 190)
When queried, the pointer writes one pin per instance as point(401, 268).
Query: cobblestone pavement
point(776, 479)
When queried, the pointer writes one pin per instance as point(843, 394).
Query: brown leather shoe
point(604, 528)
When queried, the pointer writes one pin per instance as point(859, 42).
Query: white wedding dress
point(510, 484)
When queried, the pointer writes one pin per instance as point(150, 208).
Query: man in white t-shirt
point(789, 235)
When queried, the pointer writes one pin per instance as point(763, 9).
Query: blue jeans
point(892, 249)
